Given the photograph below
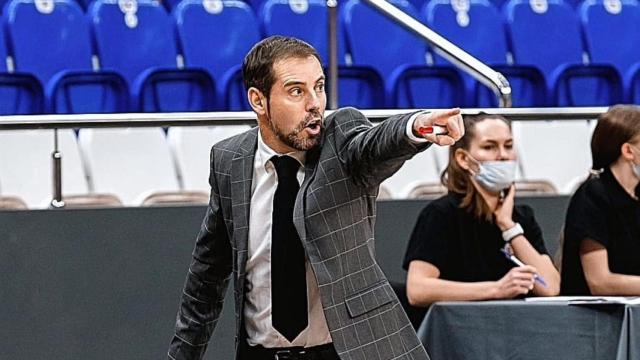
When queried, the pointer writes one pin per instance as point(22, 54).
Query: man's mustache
point(309, 119)
point(312, 117)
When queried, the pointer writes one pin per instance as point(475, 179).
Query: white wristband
point(511, 234)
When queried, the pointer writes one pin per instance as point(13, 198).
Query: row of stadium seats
point(129, 56)
point(258, 4)
point(500, 3)
point(537, 45)
point(135, 48)
point(148, 166)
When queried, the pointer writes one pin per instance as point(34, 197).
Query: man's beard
point(293, 140)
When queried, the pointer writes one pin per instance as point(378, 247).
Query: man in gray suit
point(291, 219)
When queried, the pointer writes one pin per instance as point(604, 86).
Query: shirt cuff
point(409, 131)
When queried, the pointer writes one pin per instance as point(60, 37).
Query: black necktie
point(288, 278)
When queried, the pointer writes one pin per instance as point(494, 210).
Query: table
point(520, 330)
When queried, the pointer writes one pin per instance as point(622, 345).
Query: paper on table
point(576, 300)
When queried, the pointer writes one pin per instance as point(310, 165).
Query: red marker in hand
point(435, 129)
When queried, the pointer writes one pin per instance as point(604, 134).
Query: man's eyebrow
point(299, 82)
point(293, 82)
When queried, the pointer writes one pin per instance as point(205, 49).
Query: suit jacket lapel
point(298, 211)
point(241, 178)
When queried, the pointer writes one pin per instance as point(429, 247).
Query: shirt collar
point(620, 194)
point(265, 153)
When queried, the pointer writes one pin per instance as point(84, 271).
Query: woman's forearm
point(529, 255)
point(425, 291)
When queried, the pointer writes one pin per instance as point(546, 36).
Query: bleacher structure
point(117, 56)
point(555, 54)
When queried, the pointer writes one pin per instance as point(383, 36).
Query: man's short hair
point(257, 67)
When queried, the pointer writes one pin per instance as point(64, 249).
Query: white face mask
point(496, 176)
point(636, 169)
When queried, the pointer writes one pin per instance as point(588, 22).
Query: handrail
point(55, 122)
point(443, 47)
point(25, 122)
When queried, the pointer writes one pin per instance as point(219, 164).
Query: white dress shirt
point(257, 307)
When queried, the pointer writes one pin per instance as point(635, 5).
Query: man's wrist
point(411, 132)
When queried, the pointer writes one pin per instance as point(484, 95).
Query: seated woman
point(602, 227)
point(456, 249)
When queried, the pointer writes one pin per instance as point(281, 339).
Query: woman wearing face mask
point(602, 228)
point(455, 251)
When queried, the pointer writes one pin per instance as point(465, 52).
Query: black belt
point(320, 352)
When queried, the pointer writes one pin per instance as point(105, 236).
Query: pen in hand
point(517, 261)
point(434, 129)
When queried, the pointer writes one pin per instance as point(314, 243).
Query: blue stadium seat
point(399, 58)
point(358, 86)
point(84, 4)
point(528, 88)
point(474, 25)
point(51, 40)
point(575, 3)
point(419, 4)
point(169, 5)
point(20, 93)
point(415, 87)
point(611, 36)
point(546, 34)
point(137, 39)
point(256, 5)
point(224, 50)
point(634, 89)
point(364, 28)
point(501, 3)
point(304, 19)
point(478, 28)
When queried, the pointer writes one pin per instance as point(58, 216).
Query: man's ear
point(257, 101)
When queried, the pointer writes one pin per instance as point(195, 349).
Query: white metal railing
point(22, 122)
point(55, 122)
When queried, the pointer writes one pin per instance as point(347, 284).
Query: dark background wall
point(105, 283)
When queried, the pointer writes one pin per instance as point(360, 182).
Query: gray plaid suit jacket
point(334, 215)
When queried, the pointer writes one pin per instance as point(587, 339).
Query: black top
point(600, 210)
point(462, 247)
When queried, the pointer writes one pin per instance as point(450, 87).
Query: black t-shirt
point(600, 210)
point(462, 247)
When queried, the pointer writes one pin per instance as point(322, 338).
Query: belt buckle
point(284, 355)
point(290, 355)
